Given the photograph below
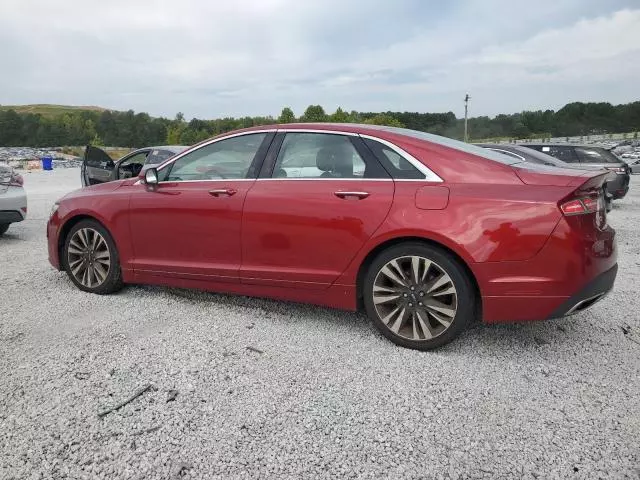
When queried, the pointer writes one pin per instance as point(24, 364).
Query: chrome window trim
point(312, 130)
point(423, 180)
point(314, 179)
point(507, 152)
point(430, 176)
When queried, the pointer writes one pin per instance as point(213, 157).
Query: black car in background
point(589, 156)
point(99, 167)
point(525, 154)
point(536, 157)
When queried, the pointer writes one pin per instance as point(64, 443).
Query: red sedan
point(426, 234)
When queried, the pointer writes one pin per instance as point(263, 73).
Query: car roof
point(381, 131)
point(171, 148)
point(560, 144)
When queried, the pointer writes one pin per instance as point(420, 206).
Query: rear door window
point(322, 155)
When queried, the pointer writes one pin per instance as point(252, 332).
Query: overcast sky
point(212, 58)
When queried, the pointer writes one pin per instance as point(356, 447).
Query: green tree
point(314, 114)
point(174, 134)
point(96, 141)
point(385, 119)
point(11, 128)
point(339, 116)
point(286, 116)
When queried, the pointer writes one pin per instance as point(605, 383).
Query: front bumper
point(591, 293)
point(53, 229)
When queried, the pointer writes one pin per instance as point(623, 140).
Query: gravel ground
point(320, 395)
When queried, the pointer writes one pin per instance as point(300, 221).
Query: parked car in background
point(633, 160)
point(99, 167)
point(13, 198)
point(534, 156)
point(424, 233)
point(589, 155)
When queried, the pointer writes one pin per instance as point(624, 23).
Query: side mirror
point(151, 176)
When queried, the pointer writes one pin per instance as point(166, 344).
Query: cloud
point(215, 58)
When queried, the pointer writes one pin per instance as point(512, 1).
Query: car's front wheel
point(91, 258)
point(418, 296)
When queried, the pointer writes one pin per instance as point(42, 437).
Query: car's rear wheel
point(91, 258)
point(418, 296)
point(3, 228)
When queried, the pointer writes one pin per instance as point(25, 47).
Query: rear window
point(595, 155)
point(394, 163)
point(536, 156)
point(448, 142)
point(564, 153)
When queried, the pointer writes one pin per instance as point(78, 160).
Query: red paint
point(432, 198)
point(298, 233)
point(298, 240)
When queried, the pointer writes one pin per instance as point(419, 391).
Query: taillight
point(580, 206)
point(16, 180)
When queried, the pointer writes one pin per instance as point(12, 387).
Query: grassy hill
point(47, 110)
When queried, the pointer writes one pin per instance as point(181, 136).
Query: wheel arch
point(66, 228)
point(369, 258)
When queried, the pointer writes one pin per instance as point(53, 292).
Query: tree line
point(130, 129)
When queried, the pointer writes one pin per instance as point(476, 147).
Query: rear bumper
point(591, 293)
point(571, 268)
point(13, 205)
point(10, 216)
point(618, 187)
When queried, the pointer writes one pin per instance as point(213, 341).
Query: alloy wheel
point(88, 257)
point(415, 298)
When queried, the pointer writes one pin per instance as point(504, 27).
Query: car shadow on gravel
point(10, 238)
point(479, 338)
point(260, 305)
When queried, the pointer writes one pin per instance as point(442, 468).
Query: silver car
point(13, 198)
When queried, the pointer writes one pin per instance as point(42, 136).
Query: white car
point(13, 198)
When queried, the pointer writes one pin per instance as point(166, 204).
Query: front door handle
point(217, 192)
point(346, 195)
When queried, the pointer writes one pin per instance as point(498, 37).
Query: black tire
point(465, 300)
point(113, 280)
point(3, 228)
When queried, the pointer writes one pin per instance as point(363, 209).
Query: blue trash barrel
point(47, 163)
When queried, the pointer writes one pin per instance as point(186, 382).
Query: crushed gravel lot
point(236, 387)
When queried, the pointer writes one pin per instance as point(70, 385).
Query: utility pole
point(466, 112)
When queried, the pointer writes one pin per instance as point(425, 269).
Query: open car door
point(97, 167)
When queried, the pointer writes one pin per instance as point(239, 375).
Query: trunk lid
point(533, 174)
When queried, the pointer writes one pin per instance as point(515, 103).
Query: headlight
point(54, 209)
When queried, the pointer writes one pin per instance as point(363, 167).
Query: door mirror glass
point(151, 176)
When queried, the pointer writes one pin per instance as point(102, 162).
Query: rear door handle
point(217, 192)
point(358, 195)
